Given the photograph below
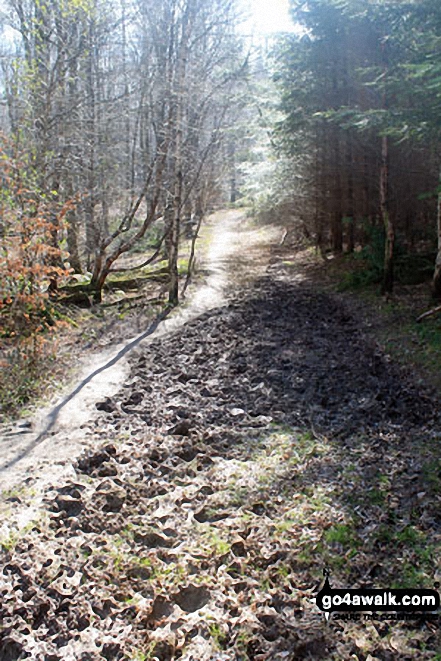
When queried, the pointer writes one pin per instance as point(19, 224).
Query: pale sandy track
point(31, 459)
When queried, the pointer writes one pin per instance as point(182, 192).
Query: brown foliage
point(31, 264)
point(31, 221)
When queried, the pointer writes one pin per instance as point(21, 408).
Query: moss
point(343, 534)
point(218, 636)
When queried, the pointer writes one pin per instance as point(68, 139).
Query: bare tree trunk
point(168, 226)
point(319, 187)
point(92, 236)
point(127, 122)
point(369, 219)
point(337, 225)
point(200, 217)
point(350, 213)
point(178, 113)
point(173, 293)
point(233, 171)
point(436, 283)
point(72, 242)
point(388, 273)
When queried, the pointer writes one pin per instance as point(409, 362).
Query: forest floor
point(247, 449)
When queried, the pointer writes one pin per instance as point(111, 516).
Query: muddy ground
point(264, 441)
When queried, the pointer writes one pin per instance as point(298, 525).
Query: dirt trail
point(263, 440)
point(31, 459)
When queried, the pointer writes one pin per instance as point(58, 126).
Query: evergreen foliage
point(361, 94)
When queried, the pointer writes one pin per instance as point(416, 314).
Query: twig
point(430, 313)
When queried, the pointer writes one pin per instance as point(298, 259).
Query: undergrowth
point(365, 268)
point(25, 369)
point(411, 343)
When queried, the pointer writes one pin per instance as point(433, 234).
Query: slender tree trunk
point(350, 213)
point(72, 242)
point(436, 283)
point(319, 188)
point(168, 226)
point(337, 225)
point(92, 235)
point(173, 294)
point(55, 261)
point(233, 173)
point(127, 126)
point(388, 273)
point(199, 216)
point(96, 282)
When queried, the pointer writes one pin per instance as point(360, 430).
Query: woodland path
point(37, 451)
point(265, 438)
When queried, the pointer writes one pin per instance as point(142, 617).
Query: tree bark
point(92, 233)
point(337, 225)
point(178, 116)
point(200, 216)
point(173, 294)
point(436, 282)
point(389, 228)
point(350, 213)
point(72, 242)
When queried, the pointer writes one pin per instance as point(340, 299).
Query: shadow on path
point(52, 418)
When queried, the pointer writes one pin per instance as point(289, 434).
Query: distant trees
point(361, 94)
point(125, 104)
